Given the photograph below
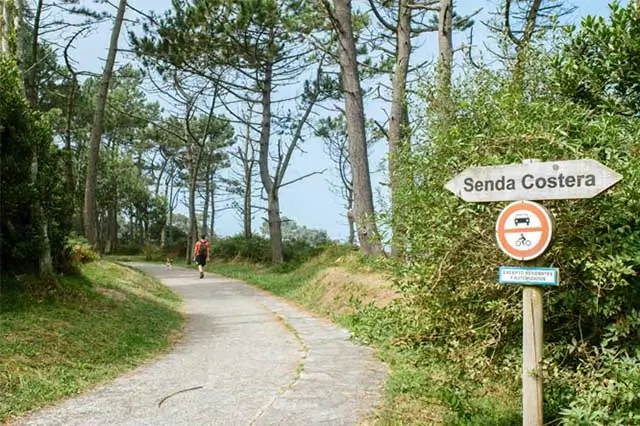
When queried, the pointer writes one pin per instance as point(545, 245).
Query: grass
point(286, 284)
point(357, 295)
point(59, 339)
point(330, 286)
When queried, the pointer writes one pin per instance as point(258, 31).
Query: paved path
point(247, 359)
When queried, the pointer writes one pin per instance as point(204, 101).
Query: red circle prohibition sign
point(544, 229)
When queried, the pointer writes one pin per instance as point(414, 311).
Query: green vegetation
point(453, 335)
point(327, 283)
point(26, 137)
point(229, 141)
point(255, 249)
point(453, 309)
point(62, 338)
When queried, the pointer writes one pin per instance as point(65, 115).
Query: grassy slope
point(417, 393)
point(64, 339)
point(333, 284)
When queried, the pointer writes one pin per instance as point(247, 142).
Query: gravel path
point(247, 359)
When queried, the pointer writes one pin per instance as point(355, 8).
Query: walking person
point(201, 252)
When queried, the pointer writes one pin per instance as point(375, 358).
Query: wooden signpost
point(523, 232)
point(551, 180)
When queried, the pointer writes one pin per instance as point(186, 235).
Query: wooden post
point(532, 343)
point(532, 346)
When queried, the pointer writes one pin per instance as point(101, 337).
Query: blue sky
point(311, 202)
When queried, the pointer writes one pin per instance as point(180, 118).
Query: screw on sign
point(524, 230)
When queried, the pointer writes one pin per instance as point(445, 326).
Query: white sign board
point(528, 276)
point(553, 180)
point(524, 230)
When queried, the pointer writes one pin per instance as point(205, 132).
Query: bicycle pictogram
point(522, 241)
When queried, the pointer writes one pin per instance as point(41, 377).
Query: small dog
point(169, 263)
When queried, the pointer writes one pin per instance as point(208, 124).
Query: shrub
point(24, 133)
point(607, 386)
point(256, 249)
point(299, 251)
point(176, 248)
point(79, 250)
point(453, 306)
point(130, 248)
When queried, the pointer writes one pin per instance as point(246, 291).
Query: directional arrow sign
point(552, 180)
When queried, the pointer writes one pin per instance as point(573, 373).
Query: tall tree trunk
point(160, 175)
point(68, 151)
point(113, 227)
point(212, 229)
point(110, 234)
point(398, 123)
point(163, 236)
point(354, 111)
point(445, 57)
point(273, 206)
point(110, 242)
point(140, 227)
point(90, 207)
point(132, 231)
point(5, 28)
point(163, 230)
point(521, 43)
point(78, 182)
point(170, 206)
point(187, 256)
point(193, 220)
point(350, 221)
point(30, 89)
point(193, 165)
point(248, 162)
point(247, 210)
point(71, 104)
point(275, 228)
point(45, 262)
point(16, 13)
point(147, 238)
point(205, 207)
point(32, 66)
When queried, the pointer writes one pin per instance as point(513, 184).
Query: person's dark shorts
point(201, 260)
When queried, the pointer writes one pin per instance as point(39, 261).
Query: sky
point(310, 202)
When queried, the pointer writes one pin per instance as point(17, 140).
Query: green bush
point(454, 308)
point(130, 248)
point(152, 251)
point(257, 249)
point(23, 133)
point(299, 251)
point(176, 248)
point(79, 250)
point(607, 388)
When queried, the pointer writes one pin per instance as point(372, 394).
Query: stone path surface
point(247, 359)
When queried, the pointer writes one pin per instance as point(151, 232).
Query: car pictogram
point(522, 218)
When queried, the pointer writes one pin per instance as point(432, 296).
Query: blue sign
point(528, 275)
